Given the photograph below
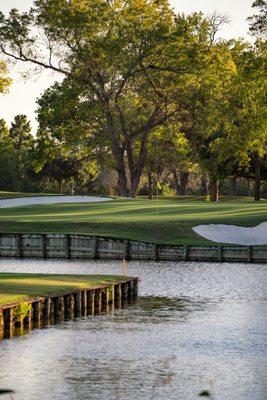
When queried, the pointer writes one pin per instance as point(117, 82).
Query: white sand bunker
point(27, 201)
point(233, 234)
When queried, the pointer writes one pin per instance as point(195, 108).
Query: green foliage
point(22, 141)
point(8, 166)
point(128, 67)
point(245, 112)
point(3, 129)
point(5, 82)
point(258, 22)
point(21, 311)
point(143, 91)
point(166, 190)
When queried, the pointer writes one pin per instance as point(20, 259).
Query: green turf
point(11, 195)
point(164, 221)
point(18, 287)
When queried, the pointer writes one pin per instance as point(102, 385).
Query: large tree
point(8, 165)
point(102, 47)
point(123, 62)
point(23, 142)
point(201, 111)
point(246, 111)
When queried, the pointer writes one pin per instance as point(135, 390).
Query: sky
point(23, 93)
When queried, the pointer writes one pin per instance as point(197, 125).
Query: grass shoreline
point(16, 287)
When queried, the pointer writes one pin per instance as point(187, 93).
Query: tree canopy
point(135, 74)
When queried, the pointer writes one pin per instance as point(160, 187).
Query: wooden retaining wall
point(45, 311)
point(93, 247)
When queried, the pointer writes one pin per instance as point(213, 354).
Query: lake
point(194, 327)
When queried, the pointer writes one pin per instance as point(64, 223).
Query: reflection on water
point(194, 327)
point(155, 309)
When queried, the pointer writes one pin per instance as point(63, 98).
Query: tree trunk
point(257, 187)
point(122, 183)
point(150, 185)
point(60, 186)
point(176, 181)
point(214, 189)
point(234, 185)
point(118, 153)
point(184, 177)
point(136, 169)
point(204, 185)
point(248, 187)
point(134, 186)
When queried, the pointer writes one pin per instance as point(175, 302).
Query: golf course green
point(165, 220)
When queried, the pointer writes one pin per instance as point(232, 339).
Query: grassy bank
point(18, 287)
point(164, 221)
point(12, 195)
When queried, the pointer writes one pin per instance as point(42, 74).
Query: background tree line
point(150, 94)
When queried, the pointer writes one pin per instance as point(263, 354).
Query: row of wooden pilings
point(45, 311)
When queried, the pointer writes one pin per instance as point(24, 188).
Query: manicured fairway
point(17, 287)
point(163, 221)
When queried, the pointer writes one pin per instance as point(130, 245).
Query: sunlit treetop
point(5, 81)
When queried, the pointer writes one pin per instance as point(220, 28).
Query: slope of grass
point(164, 221)
point(18, 287)
point(12, 195)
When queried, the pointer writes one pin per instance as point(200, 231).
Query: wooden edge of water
point(40, 312)
point(78, 290)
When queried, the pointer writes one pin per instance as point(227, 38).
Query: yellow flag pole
point(123, 267)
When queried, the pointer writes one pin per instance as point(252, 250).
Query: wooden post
point(84, 303)
point(126, 248)
point(19, 325)
point(28, 321)
point(111, 294)
point(105, 297)
point(47, 310)
point(95, 244)
point(69, 306)
point(37, 314)
point(185, 255)
point(77, 305)
point(130, 289)
point(43, 245)
point(220, 253)
point(67, 246)
point(98, 300)
point(135, 288)
point(156, 251)
point(8, 323)
point(124, 291)
point(19, 246)
point(249, 254)
point(52, 313)
point(59, 308)
point(2, 325)
point(117, 290)
point(91, 302)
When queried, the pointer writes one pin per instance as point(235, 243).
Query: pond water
point(195, 327)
